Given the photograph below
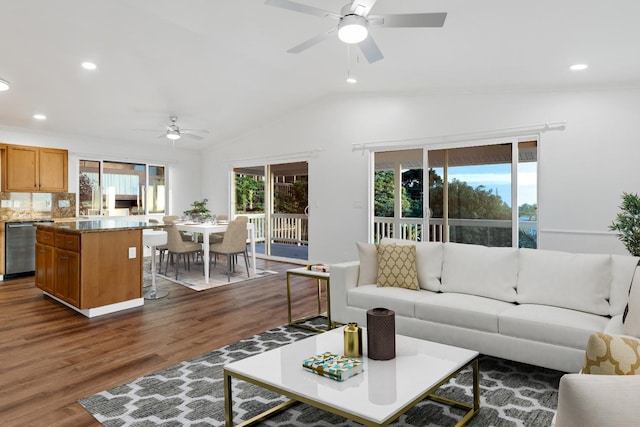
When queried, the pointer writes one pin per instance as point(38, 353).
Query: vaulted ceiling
point(223, 66)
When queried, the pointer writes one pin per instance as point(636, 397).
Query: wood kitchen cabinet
point(67, 276)
point(34, 169)
point(67, 268)
point(45, 257)
point(89, 268)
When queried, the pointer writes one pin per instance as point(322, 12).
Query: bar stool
point(153, 238)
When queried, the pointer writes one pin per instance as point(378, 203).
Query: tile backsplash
point(36, 206)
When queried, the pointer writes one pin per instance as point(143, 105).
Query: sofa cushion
point(553, 325)
point(623, 270)
point(400, 300)
point(612, 355)
point(562, 279)
point(428, 261)
point(466, 311)
point(397, 266)
point(480, 270)
point(368, 255)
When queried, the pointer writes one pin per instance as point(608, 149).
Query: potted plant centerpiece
point(627, 223)
point(199, 211)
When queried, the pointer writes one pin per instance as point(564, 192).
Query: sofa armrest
point(598, 400)
point(344, 276)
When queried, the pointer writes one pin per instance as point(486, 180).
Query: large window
point(476, 194)
point(118, 188)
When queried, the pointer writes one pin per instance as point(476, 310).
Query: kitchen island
point(91, 266)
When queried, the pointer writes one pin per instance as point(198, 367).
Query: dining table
point(206, 228)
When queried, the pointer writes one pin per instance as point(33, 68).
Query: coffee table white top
point(383, 389)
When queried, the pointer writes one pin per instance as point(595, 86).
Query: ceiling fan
point(175, 132)
point(353, 22)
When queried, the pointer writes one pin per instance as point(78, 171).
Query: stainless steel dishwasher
point(20, 249)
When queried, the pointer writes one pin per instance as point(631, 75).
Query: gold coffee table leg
point(300, 322)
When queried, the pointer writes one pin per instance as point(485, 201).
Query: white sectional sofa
point(532, 306)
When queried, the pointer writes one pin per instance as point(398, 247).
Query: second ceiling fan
point(353, 22)
point(175, 132)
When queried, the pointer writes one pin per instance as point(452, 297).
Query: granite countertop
point(41, 219)
point(26, 220)
point(91, 226)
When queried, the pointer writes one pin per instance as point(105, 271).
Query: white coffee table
point(384, 391)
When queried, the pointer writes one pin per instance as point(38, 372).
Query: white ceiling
point(222, 65)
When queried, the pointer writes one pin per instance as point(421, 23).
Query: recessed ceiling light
point(4, 85)
point(40, 117)
point(89, 66)
point(578, 67)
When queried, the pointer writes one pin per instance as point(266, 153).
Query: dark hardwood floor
point(51, 356)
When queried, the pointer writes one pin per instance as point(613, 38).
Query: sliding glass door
point(275, 198)
point(398, 195)
point(477, 192)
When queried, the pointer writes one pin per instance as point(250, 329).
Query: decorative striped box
point(333, 366)
point(323, 268)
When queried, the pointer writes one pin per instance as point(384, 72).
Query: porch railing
point(285, 228)
point(485, 231)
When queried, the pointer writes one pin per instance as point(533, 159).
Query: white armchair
point(607, 393)
point(598, 401)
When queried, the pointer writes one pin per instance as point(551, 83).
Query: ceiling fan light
point(353, 29)
point(578, 67)
point(4, 85)
point(173, 135)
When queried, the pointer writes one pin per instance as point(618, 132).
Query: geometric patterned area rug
point(194, 279)
point(191, 394)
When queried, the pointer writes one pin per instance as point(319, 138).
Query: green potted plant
point(199, 211)
point(627, 223)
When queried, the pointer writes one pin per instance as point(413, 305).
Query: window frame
point(514, 141)
point(143, 197)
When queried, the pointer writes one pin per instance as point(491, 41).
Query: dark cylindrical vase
point(381, 334)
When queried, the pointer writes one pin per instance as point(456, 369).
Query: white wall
point(583, 169)
point(183, 165)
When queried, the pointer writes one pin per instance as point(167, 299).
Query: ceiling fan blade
point(370, 50)
point(194, 130)
point(409, 20)
point(312, 41)
point(362, 7)
point(190, 135)
point(302, 8)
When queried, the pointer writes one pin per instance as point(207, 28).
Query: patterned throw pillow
point(612, 355)
point(397, 266)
